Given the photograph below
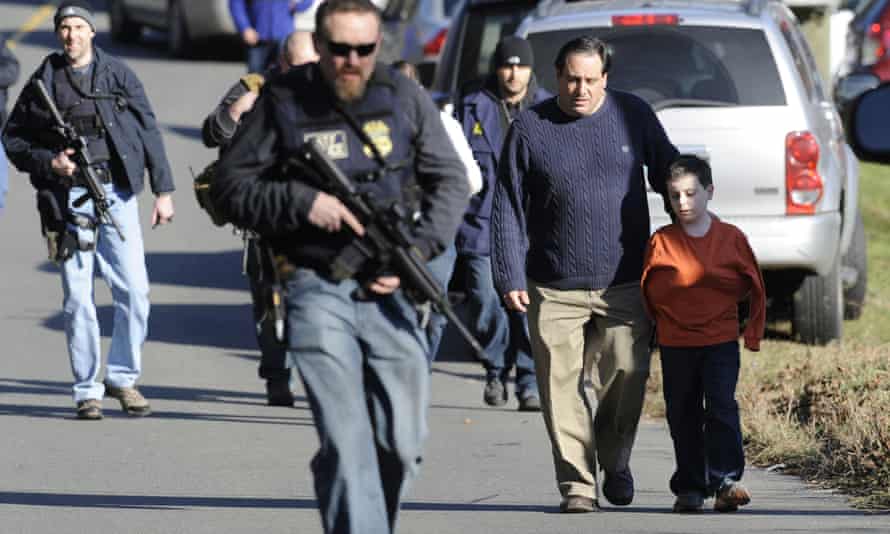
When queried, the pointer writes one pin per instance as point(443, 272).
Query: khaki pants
point(601, 335)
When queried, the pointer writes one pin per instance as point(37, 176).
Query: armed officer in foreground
point(85, 133)
point(357, 342)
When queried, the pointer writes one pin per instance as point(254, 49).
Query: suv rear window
point(671, 66)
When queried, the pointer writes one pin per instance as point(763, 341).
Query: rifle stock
point(83, 159)
point(388, 238)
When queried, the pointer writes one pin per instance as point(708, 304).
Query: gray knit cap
point(75, 8)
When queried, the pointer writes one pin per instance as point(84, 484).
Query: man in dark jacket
point(357, 342)
point(486, 114)
point(9, 73)
point(217, 131)
point(105, 102)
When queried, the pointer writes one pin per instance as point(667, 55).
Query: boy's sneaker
point(89, 410)
point(131, 400)
point(731, 496)
point(495, 392)
point(689, 503)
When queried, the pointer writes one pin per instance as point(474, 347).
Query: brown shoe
point(731, 496)
point(577, 504)
point(131, 400)
point(89, 410)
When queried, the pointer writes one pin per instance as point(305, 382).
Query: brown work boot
point(89, 410)
point(731, 496)
point(578, 504)
point(131, 400)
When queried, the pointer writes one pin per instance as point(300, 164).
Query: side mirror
point(850, 87)
point(868, 125)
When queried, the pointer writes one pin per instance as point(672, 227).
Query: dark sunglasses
point(343, 49)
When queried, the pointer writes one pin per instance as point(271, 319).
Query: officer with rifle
point(354, 251)
point(84, 131)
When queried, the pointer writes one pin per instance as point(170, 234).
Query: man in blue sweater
point(486, 114)
point(262, 24)
point(570, 223)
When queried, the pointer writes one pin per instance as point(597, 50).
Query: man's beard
point(349, 90)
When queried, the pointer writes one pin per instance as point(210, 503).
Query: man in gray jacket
point(105, 103)
point(358, 342)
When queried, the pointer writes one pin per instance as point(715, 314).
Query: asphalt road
point(213, 458)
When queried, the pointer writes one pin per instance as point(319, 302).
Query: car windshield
point(676, 66)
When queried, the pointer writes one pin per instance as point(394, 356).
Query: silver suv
point(734, 82)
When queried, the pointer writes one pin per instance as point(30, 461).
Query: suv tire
point(817, 308)
point(123, 29)
point(855, 259)
point(177, 31)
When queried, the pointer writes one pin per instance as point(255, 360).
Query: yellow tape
point(39, 17)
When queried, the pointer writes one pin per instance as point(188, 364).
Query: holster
point(52, 205)
point(267, 271)
point(203, 182)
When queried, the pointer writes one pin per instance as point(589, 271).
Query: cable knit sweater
point(570, 208)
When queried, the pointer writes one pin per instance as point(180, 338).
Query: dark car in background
point(183, 21)
point(868, 39)
point(188, 22)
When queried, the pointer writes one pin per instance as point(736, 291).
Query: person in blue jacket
point(262, 24)
point(104, 101)
point(486, 114)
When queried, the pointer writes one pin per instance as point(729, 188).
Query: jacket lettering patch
point(333, 142)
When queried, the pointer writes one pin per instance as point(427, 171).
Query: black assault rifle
point(83, 160)
point(387, 240)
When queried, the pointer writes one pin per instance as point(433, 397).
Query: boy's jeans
point(122, 265)
point(699, 396)
point(364, 368)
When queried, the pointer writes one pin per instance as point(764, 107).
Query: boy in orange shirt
point(696, 272)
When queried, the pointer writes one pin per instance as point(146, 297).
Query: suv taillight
point(434, 46)
point(873, 45)
point(876, 41)
point(802, 181)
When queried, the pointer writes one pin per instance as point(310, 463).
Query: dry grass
point(824, 412)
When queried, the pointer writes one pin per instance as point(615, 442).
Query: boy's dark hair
point(693, 165)
point(586, 44)
point(328, 8)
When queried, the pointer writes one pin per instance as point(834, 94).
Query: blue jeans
point(703, 416)
point(4, 179)
point(503, 334)
point(262, 56)
point(363, 365)
point(122, 265)
point(441, 267)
